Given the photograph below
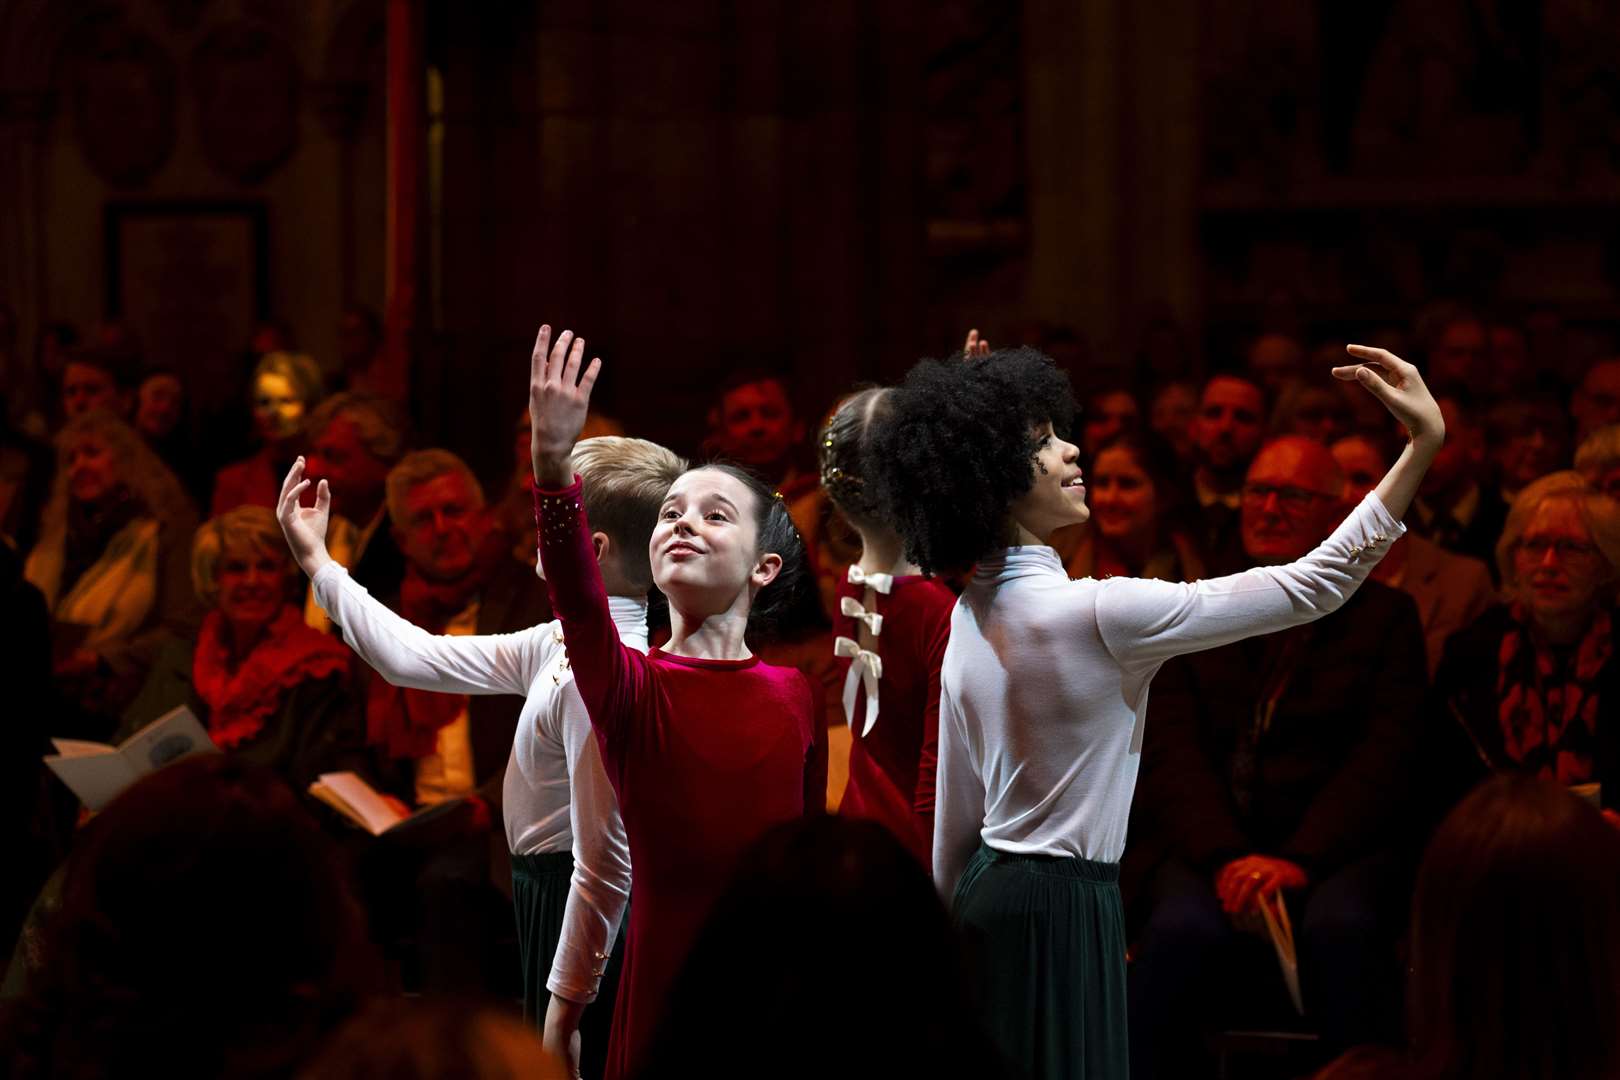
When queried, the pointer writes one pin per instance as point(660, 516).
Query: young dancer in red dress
point(892, 624)
point(706, 747)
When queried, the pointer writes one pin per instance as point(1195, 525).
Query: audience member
point(1511, 373)
point(99, 377)
point(207, 928)
point(31, 843)
point(286, 386)
point(1227, 432)
point(1528, 438)
point(1138, 507)
point(268, 688)
point(1276, 361)
point(1458, 352)
point(160, 417)
point(1457, 508)
point(417, 1039)
point(112, 559)
point(1533, 683)
point(354, 440)
point(1171, 415)
point(1515, 937)
point(1596, 403)
point(359, 346)
point(1598, 459)
point(1450, 590)
point(1107, 414)
point(1275, 767)
point(756, 425)
point(764, 965)
point(1315, 410)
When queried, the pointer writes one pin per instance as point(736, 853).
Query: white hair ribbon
point(866, 669)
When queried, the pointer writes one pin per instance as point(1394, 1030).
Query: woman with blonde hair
point(286, 389)
point(111, 560)
point(1529, 681)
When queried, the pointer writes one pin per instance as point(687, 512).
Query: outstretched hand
point(305, 526)
point(1400, 387)
point(975, 346)
point(559, 398)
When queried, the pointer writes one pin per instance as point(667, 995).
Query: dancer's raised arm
point(1400, 387)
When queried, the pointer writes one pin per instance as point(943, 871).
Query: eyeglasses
point(1537, 547)
point(1288, 497)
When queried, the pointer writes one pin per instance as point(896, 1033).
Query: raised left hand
point(1241, 880)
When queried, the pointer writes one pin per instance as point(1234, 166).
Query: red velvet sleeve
point(611, 677)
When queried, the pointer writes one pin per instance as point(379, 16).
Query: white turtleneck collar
point(1008, 564)
point(630, 616)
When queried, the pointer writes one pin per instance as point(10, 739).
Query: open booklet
point(358, 801)
point(97, 773)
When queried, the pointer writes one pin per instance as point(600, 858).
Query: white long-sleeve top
point(1045, 685)
point(555, 795)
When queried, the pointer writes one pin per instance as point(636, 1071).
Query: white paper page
point(377, 814)
point(172, 736)
point(95, 779)
point(80, 748)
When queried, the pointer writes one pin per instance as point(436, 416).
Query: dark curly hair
point(776, 533)
point(958, 448)
point(846, 442)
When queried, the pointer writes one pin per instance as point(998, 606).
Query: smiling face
point(91, 469)
point(252, 585)
point(704, 550)
point(1558, 567)
point(1057, 497)
point(1123, 498)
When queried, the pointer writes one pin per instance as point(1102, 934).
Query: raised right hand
point(304, 526)
point(559, 399)
point(1400, 387)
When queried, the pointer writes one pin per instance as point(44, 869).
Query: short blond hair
point(625, 481)
point(418, 467)
point(247, 528)
point(1599, 453)
point(299, 369)
point(1599, 512)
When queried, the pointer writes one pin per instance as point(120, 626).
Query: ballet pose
point(1045, 680)
point(570, 860)
point(706, 746)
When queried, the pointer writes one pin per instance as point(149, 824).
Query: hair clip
point(779, 497)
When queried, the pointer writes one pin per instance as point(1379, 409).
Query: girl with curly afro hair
point(1044, 684)
point(891, 627)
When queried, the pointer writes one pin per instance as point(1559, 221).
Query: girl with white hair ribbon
point(890, 630)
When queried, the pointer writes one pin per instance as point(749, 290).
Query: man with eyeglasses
point(1277, 767)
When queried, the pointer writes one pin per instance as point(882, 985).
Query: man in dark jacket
point(1277, 766)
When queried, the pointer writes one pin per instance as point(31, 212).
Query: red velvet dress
point(891, 769)
point(704, 755)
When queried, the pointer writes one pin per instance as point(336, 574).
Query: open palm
point(304, 526)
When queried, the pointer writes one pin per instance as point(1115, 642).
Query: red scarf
point(1548, 712)
point(239, 701)
point(405, 723)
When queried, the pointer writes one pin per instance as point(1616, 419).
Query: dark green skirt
point(539, 896)
point(1046, 938)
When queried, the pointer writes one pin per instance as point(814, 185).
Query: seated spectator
point(1458, 352)
point(207, 928)
point(1171, 415)
point(755, 425)
point(1276, 767)
point(359, 346)
point(1527, 439)
point(1450, 590)
point(160, 417)
point(100, 377)
point(1137, 507)
point(1456, 507)
point(417, 1039)
point(1107, 414)
point(286, 386)
point(1534, 682)
point(112, 557)
point(354, 440)
point(1596, 403)
point(1315, 410)
point(1227, 432)
point(26, 465)
point(761, 967)
point(1515, 932)
point(268, 688)
point(1275, 362)
point(1598, 459)
point(1511, 373)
